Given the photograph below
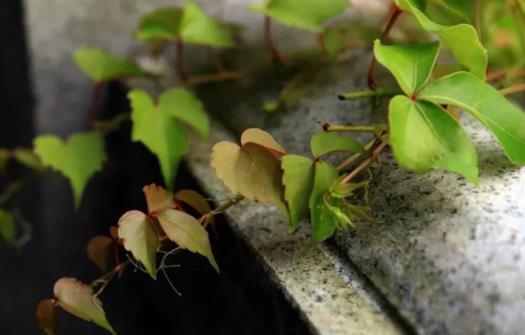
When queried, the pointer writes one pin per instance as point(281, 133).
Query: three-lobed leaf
point(139, 238)
point(303, 14)
point(324, 223)
point(298, 176)
point(160, 24)
point(78, 299)
point(157, 198)
point(186, 107)
point(504, 119)
point(77, 159)
point(462, 39)
point(187, 232)
point(101, 66)
point(424, 136)
point(325, 142)
point(411, 65)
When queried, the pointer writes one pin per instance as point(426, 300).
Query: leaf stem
point(181, 70)
point(396, 12)
point(350, 160)
point(95, 102)
point(214, 77)
point(352, 128)
point(216, 59)
point(268, 40)
point(366, 163)
point(366, 94)
point(513, 89)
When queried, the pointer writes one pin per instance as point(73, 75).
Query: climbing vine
point(423, 128)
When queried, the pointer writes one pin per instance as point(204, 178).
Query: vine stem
point(216, 59)
point(366, 94)
point(352, 128)
point(95, 102)
point(350, 160)
point(396, 12)
point(366, 163)
point(181, 70)
point(513, 89)
point(210, 78)
point(268, 40)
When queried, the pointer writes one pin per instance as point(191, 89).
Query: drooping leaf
point(102, 66)
point(298, 180)
point(424, 136)
point(195, 200)
point(139, 238)
point(155, 126)
point(157, 198)
point(77, 159)
point(99, 250)
point(77, 298)
point(411, 65)
point(160, 24)
point(187, 232)
point(335, 207)
point(462, 39)
point(7, 227)
point(251, 170)
point(504, 119)
point(303, 14)
point(324, 223)
point(325, 142)
point(47, 317)
point(187, 108)
point(261, 137)
point(198, 28)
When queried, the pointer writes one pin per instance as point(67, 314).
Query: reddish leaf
point(99, 251)
point(157, 198)
point(46, 316)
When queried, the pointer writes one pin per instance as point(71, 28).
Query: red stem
point(95, 101)
point(274, 53)
point(396, 11)
point(181, 71)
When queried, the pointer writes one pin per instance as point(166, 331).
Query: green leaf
point(411, 65)
point(101, 66)
point(195, 200)
point(462, 39)
point(298, 179)
point(424, 137)
point(325, 142)
point(187, 108)
point(504, 119)
point(7, 227)
point(303, 14)
point(78, 299)
point(187, 232)
point(155, 126)
point(47, 316)
point(333, 42)
point(77, 159)
point(139, 238)
point(198, 28)
point(29, 159)
point(324, 223)
point(157, 198)
point(160, 24)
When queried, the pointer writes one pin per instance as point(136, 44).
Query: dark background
point(242, 300)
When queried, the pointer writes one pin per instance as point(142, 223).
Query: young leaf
point(303, 14)
point(411, 65)
point(139, 238)
point(77, 298)
point(101, 66)
point(424, 137)
point(324, 223)
point(155, 126)
point(77, 159)
point(325, 142)
point(462, 39)
point(47, 317)
point(157, 198)
point(183, 105)
point(161, 24)
point(261, 137)
point(195, 200)
point(198, 28)
point(99, 250)
point(187, 232)
point(251, 170)
point(7, 227)
point(505, 120)
point(298, 180)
